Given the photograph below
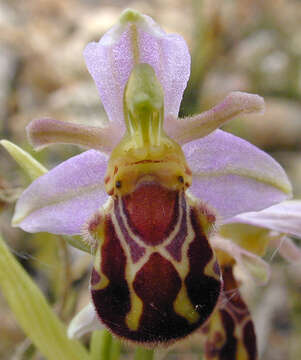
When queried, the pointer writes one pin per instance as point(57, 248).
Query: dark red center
point(152, 211)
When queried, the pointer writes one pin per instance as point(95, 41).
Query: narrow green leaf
point(31, 166)
point(33, 313)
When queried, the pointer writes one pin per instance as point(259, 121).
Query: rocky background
point(247, 45)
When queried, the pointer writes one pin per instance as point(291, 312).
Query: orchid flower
point(150, 194)
point(240, 242)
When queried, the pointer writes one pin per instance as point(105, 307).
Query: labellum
point(155, 277)
point(230, 332)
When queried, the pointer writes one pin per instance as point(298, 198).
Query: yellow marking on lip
point(104, 281)
point(102, 284)
point(133, 316)
point(209, 269)
point(183, 306)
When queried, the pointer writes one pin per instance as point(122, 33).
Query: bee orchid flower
point(152, 190)
point(240, 242)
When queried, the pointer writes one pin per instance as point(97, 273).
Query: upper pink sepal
point(137, 38)
point(234, 176)
point(62, 200)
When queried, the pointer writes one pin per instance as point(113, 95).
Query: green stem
point(100, 347)
point(143, 354)
point(66, 275)
point(115, 349)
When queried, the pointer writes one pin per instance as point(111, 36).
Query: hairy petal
point(135, 39)
point(234, 176)
point(44, 132)
point(284, 217)
point(61, 201)
point(85, 321)
point(191, 128)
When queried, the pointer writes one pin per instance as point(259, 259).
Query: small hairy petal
point(135, 39)
point(61, 201)
point(191, 128)
point(284, 218)
point(234, 176)
point(252, 264)
point(44, 132)
point(85, 321)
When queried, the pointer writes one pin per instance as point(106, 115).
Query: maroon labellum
point(155, 278)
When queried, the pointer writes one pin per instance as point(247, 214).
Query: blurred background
point(246, 45)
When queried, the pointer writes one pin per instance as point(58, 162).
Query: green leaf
point(31, 166)
point(33, 313)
